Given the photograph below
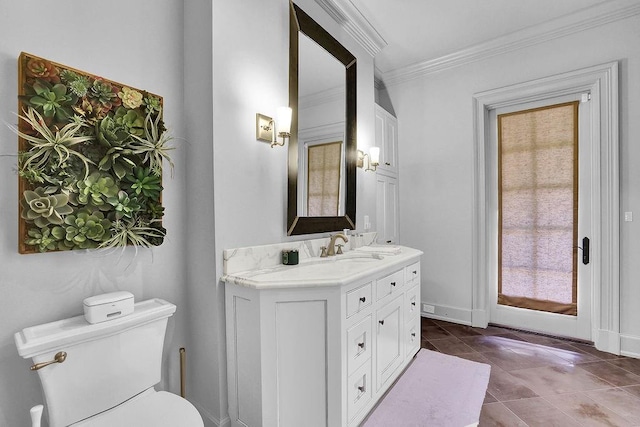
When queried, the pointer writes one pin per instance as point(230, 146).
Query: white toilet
point(110, 369)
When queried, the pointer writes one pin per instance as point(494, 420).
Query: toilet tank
point(107, 363)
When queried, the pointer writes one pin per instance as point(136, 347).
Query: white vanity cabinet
point(324, 354)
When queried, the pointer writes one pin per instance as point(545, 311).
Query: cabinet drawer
point(389, 284)
point(412, 337)
point(412, 304)
point(358, 299)
point(358, 344)
point(359, 390)
point(412, 273)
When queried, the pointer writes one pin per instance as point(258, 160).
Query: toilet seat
point(150, 408)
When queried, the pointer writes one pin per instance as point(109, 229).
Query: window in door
point(538, 208)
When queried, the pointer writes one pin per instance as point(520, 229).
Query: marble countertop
point(337, 270)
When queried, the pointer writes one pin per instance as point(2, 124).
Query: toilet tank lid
point(52, 336)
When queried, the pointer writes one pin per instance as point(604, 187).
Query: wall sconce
point(369, 162)
point(267, 128)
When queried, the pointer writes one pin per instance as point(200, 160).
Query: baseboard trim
point(608, 341)
point(630, 346)
point(479, 318)
point(449, 314)
point(210, 420)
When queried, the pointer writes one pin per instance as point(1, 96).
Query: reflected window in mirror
point(324, 179)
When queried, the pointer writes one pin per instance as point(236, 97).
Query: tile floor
point(542, 381)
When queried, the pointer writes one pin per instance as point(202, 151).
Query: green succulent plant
point(51, 146)
point(153, 145)
point(113, 136)
point(42, 238)
point(96, 189)
point(134, 231)
point(52, 100)
point(84, 230)
point(104, 93)
point(154, 210)
point(144, 182)
point(131, 120)
point(124, 205)
point(80, 86)
point(43, 209)
point(152, 104)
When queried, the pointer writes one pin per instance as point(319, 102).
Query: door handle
point(585, 250)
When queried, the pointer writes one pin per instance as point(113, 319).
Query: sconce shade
point(374, 153)
point(283, 122)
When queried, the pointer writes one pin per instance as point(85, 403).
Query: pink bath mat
point(436, 390)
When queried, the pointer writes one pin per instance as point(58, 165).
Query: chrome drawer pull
point(361, 344)
point(361, 388)
point(413, 334)
point(415, 271)
point(413, 303)
point(363, 299)
point(393, 283)
point(381, 322)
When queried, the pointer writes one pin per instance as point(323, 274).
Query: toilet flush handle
point(60, 357)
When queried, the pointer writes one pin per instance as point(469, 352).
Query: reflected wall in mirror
point(322, 148)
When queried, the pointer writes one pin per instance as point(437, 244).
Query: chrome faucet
point(331, 251)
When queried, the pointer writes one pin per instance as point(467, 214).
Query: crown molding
point(563, 26)
point(354, 23)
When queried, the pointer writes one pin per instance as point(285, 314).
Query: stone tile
point(537, 412)
point(434, 332)
point(610, 373)
point(523, 357)
point(587, 411)
point(424, 321)
point(634, 390)
point(488, 398)
point(426, 344)
point(539, 339)
point(628, 364)
point(504, 386)
point(459, 330)
point(572, 354)
point(498, 415)
point(549, 380)
point(484, 343)
point(620, 402)
point(451, 346)
point(493, 330)
point(587, 348)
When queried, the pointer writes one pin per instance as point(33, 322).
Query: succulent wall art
point(90, 159)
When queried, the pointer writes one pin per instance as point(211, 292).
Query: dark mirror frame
point(300, 21)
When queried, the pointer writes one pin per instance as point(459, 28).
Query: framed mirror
point(322, 152)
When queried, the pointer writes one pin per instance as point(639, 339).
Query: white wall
point(226, 61)
point(436, 164)
point(138, 43)
point(250, 75)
